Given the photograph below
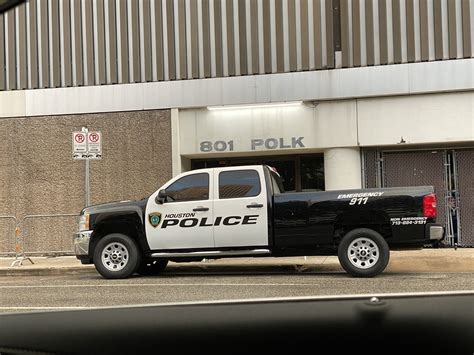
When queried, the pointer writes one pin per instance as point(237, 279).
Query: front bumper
point(81, 243)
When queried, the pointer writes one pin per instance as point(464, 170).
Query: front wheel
point(363, 253)
point(116, 256)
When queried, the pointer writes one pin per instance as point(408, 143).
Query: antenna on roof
point(273, 169)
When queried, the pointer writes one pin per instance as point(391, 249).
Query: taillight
point(429, 206)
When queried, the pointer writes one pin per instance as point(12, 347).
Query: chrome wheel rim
point(115, 256)
point(363, 253)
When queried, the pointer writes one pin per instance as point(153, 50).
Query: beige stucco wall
point(419, 119)
point(38, 175)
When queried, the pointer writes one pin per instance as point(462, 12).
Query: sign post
point(86, 146)
point(87, 186)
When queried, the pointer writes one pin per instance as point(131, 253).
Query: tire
point(152, 267)
point(369, 250)
point(126, 259)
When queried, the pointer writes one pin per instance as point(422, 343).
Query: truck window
point(189, 188)
point(239, 183)
point(275, 185)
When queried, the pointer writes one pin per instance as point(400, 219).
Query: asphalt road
point(88, 289)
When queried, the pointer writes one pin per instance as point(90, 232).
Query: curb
point(74, 270)
point(399, 264)
point(177, 269)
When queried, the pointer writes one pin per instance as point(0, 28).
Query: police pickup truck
point(243, 211)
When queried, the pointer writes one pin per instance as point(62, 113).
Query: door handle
point(255, 205)
point(201, 209)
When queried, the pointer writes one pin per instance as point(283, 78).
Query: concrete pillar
point(175, 144)
point(179, 164)
point(342, 169)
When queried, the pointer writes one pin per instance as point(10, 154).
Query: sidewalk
point(426, 260)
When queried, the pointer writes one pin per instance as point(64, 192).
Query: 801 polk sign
point(254, 144)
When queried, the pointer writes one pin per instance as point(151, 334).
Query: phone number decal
point(406, 221)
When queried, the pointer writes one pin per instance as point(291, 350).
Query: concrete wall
point(387, 80)
point(419, 119)
point(342, 169)
point(38, 175)
point(328, 124)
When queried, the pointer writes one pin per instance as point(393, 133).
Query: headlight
point(84, 222)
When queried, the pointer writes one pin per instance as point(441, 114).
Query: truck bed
point(306, 219)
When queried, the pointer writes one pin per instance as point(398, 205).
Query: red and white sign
point(86, 145)
point(94, 142)
point(79, 142)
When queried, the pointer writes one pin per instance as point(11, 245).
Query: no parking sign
point(86, 145)
point(94, 145)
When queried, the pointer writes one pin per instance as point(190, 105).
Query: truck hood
point(116, 206)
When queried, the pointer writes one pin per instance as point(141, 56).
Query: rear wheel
point(363, 253)
point(116, 256)
point(152, 267)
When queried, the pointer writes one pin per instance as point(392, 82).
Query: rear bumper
point(435, 232)
point(418, 238)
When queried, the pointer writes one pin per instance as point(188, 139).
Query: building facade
point(336, 94)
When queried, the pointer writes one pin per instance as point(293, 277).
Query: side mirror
point(8, 4)
point(161, 197)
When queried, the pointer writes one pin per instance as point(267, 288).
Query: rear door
point(240, 209)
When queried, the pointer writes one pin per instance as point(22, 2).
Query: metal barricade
point(19, 249)
point(58, 238)
point(17, 238)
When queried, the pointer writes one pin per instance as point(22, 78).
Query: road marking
point(45, 308)
point(356, 297)
point(169, 284)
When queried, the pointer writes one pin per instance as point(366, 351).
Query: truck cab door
point(184, 219)
point(240, 205)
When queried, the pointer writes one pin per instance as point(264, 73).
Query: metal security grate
point(417, 168)
point(370, 168)
point(465, 171)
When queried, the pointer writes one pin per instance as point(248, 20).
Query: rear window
point(276, 183)
point(239, 183)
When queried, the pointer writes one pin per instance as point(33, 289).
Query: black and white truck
point(243, 211)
